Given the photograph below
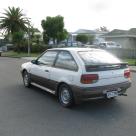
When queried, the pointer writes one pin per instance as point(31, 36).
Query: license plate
point(112, 94)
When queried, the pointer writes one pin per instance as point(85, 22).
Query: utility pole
point(28, 48)
point(28, 41)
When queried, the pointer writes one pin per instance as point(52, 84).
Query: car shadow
point(44, 92)
point(98, 105)
point(102, 110)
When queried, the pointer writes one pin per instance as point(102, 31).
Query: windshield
point(98, 57)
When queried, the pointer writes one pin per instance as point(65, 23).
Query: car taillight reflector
point(127, 73)
point(89, 78)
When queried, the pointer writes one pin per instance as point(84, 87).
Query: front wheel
point(65, 96)
point(26, 79)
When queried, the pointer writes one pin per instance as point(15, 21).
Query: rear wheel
point(65, 96)
point(110, 99)
point(26, 79)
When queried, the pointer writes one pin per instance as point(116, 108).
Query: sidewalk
point(28, 58)
point(132, 68)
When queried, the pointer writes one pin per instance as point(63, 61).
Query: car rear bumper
point(81, 94)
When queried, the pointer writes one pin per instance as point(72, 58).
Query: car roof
point(73, 49)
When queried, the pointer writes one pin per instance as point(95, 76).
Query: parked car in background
point(109, 44)
point(91, 46)
point(74, 44)
point(77, 74)
point(1, 53)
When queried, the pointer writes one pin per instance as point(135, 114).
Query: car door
point(65, 70)
point(40, 72)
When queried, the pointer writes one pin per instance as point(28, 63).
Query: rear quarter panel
point(109, 77)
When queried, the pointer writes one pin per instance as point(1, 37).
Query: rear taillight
point(89, 78)
point(127, 73)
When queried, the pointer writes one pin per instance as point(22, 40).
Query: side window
point(48, 58)
point(66, 61)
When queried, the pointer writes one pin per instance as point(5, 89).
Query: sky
point(79, 14)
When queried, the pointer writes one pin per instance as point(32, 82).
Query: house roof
point(121, 33)
point(86, 31)
point(132, 31)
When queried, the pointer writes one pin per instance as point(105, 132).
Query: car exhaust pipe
point(124, 95)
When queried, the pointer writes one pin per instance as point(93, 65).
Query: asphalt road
point(33, 112)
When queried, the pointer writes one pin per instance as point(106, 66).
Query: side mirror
point(34, 61)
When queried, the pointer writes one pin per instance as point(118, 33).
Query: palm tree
point(13, 21)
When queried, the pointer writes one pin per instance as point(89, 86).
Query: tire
point(26, 79)
point(110, 99)
point(65, 96)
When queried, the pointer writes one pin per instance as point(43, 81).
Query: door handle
point(46, 70)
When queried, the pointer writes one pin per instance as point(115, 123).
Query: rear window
point(101, 61)
point(98, 57)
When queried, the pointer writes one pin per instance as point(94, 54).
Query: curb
point(10, 57)
point(132, 70)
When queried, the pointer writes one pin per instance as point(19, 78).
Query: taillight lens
point(89, 78)
point(127, 73)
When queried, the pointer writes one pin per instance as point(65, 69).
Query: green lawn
point(130, 61)
point(15, 54)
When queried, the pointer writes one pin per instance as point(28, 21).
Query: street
point(34, 112)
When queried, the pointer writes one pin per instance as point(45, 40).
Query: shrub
point(33, 48)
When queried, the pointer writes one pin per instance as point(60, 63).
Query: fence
point(123, 53)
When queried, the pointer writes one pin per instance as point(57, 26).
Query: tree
point(45, 38)
point(54, 29)
point(91, 39)
point(13, 21)
point(62, 35)
point(102, 29)
point(18, 39)
point(35, 35)
point(82, 38)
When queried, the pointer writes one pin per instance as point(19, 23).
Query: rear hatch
point(108, 74)
point(109, 68)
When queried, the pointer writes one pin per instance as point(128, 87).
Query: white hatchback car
point(78, 74)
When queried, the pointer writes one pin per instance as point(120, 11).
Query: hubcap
point(65, 96)
point(26, 79)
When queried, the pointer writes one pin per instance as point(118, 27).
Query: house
point(126, 38)
point(95, 33)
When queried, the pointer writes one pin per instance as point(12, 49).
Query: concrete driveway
point(33, 112)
